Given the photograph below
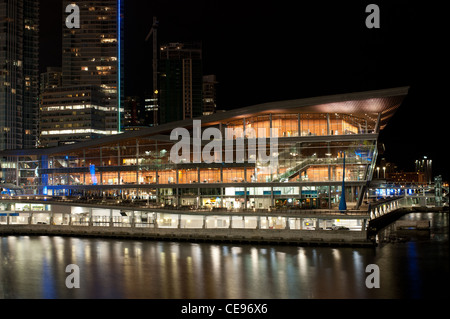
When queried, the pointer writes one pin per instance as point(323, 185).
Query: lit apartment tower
point(209, 94)
point(93, 54)
point(19, 73)
point(181, 80)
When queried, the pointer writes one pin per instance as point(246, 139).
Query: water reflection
point(34, 267)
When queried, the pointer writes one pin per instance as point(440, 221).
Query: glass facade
point(19, 67)
point(315, 148)
point(307, 174)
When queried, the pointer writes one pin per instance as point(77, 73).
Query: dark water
point(412, 264)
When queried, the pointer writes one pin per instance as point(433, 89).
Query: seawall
point(255, 236)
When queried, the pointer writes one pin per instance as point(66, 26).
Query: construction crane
point(154, 32)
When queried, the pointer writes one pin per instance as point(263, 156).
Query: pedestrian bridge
point(379, 209)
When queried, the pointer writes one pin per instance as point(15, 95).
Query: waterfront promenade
point(42, 215)
point(74, 216)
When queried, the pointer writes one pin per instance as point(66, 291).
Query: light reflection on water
point(34, 267)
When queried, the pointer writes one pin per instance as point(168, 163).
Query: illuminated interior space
point(320, 141)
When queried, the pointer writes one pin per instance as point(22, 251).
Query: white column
point(90, 223)
point(111, 223)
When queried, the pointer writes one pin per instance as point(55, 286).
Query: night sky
point(265, 51)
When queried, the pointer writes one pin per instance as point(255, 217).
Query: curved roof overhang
point(361, 104)
point(367, 105)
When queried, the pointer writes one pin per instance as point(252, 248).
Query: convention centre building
point(317, 146)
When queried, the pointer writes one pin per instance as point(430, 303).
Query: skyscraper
point(209, 94)
point(181, 81)
point(89, 101)
point(93, 54)
point(19, 73)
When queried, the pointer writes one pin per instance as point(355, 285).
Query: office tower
point(72, 114)
point(93, 54)
point(19, 73)
point(181, 80)
point(209, 94)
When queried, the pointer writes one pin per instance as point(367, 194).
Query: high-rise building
point(151, 109)
point(132, 114)
point(209, 94)
point(31, 73)
point(72, 114)
point(181, 80)
point(93, 54)
point(50, 79)
point(19, 73)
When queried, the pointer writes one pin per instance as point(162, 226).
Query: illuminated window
point(103, 68)
point(109, 40)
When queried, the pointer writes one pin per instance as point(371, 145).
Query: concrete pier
point(274, 236)
point(412, 224)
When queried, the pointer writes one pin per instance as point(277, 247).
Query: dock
point(413, 224)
